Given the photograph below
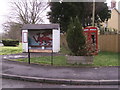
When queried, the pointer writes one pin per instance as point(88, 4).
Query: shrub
point(10, 42)
point(75, 38)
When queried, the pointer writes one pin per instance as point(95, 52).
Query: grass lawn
point(10, 49)
point(58, 60)
point(103, 59)
point(106, 59)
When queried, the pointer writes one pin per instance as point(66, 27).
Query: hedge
point(10, 42)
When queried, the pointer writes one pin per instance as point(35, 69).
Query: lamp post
point(93, 14)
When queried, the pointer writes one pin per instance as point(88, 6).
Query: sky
point(3, 12)
point(5, 8)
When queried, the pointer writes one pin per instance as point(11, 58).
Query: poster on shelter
point(40, 38)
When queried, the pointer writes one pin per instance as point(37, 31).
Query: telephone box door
point(91, 34)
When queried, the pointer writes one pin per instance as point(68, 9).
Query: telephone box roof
point(40, 26)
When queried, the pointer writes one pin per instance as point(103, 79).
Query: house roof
point(116, 10)
point(40, 26)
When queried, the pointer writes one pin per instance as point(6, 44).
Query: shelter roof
point(39, 26)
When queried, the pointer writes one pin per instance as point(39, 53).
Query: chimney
point(113, 4)
point(119, 6)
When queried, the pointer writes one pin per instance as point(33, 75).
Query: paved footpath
point(96, 75)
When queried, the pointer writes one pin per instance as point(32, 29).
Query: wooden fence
point(109, 43)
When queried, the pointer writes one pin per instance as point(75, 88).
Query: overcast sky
point(5, 9)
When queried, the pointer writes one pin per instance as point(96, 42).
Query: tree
point(23, 12)
point(12, 30)
point(29, 11)
point(62, 12)
point(75, 37)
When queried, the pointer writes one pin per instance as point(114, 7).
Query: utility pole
point(93, 14)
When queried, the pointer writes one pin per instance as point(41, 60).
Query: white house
point(41, 37)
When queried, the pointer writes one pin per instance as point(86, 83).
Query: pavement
point(59, 75)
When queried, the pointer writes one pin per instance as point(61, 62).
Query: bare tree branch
point(30, 12)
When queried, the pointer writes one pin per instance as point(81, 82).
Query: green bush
point(75, 38)
point(10, 42)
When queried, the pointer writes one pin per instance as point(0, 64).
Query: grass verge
point(5, 50)
point(57, 60)
point(102, 59)
point(106, 59)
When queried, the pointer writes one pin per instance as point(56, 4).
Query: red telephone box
point(91, 34)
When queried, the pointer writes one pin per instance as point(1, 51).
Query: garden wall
point(109, 43)
point(63, 41)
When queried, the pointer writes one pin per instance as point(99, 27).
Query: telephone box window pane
point(93, 33)
point(85, 29)
point(86, 35)
point(93, 29)
point(93, 38)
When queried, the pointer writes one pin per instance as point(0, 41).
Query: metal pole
point(28, 55)
point(93, 15)
point(52, 58)
point(52, 50)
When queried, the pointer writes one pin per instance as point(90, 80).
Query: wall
point(119, 22)
point(56, 40)
point(63, 41)
point(109, 43)
point(25, 40)
point(113, 22)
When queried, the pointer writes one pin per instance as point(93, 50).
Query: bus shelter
point(41, 37)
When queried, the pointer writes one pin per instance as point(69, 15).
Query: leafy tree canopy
point(62, 12)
